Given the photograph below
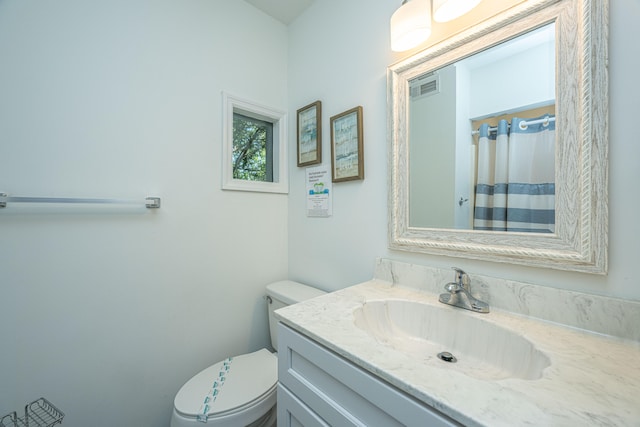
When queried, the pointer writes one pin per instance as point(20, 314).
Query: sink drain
point(447, 357)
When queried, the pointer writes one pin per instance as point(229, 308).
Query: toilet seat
point(249, 389)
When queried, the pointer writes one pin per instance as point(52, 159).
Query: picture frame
point(347, 146)
point(309, 131)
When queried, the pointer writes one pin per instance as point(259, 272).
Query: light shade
point(410, 25)
point(446, 10)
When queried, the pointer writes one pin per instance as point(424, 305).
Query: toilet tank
point(284, 293)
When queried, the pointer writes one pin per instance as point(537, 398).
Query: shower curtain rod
point(523, 124)
point(149, 202)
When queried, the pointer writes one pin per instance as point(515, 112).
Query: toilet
point(240, 391)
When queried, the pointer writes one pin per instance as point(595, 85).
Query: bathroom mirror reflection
point(458, 185)
point(466, 153)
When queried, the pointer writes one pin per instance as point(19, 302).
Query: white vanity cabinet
point(317, 387)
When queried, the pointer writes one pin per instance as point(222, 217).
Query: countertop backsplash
point(605, 315)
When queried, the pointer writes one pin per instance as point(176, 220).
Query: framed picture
point(347, 156)
point(310, 134)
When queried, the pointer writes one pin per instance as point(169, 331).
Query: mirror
point(449, 158)
point(467, 116)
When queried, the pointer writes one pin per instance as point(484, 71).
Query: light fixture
point(410, 24)
point(447, 10)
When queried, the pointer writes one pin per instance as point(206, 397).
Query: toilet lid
point(250, 376)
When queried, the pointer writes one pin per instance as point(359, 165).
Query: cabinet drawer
point(343, 394)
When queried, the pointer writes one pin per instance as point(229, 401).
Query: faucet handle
point(461, 278)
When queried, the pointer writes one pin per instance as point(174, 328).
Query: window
point(254, 147)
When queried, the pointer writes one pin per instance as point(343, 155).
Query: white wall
point(466, 153)
point(107, 313)
point(432, 121)
point(339, 52)
point(521, 80)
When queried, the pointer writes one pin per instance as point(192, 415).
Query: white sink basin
point(483, 349)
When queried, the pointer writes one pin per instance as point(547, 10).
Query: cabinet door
point(293, 413)
point(343, 394)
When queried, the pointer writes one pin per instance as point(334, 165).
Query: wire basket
point(39, 413)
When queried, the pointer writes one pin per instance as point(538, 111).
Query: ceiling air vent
point(426, 85)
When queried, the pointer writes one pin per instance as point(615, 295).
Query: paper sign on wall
point(319, 191)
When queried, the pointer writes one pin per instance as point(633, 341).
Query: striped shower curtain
point(515, 185)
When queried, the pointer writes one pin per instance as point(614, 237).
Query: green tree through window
point(252, 149)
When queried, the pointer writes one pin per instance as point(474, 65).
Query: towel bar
point(149, 202)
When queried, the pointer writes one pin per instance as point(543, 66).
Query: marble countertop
point(593, 379)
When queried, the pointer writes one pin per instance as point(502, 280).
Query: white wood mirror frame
point(580, 239)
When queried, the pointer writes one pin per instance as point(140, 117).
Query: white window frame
point(280, 184)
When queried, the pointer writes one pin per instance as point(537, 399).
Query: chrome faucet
point(458, 294)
